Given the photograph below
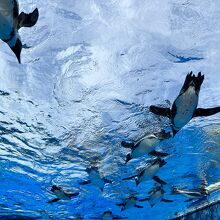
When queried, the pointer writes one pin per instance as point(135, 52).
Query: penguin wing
point(138, 206)
point(143, 200)
point(160, 111)
point(166, 200)
point(158, 180)
point(28, 20)
point(206, 111)
point(53, 200)
point(126, 144)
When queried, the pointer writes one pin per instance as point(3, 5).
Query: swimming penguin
point(184, 107)
point(129, 203)
point(146, 145)
point(213, 187)
point(108, 215)
point(192, 194)
point(11, 21)
point(95, 178)
point(155, 195)
point(148, 172)
point(61, 194)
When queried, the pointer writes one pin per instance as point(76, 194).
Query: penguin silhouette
point(184, 107)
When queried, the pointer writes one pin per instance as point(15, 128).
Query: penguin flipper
point(138, 206)
point(85, 182)
point(160, 111)
point(158, 153)
point(126, 144)
point(166, 200)
point(158, 180)
point(28, 20)
point(73, 194)
point(143, 200)
point(53, 200)
point(206, 111)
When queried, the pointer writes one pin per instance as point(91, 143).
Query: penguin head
point(17, 49)
point(55, 188)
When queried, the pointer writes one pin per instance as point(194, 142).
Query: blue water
point(85, 84)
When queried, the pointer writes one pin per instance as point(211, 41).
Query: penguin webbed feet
point(28, 20)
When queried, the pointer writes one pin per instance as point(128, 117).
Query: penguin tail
point(166, 200)
point(138, 206)
point(28, 20)
point(158, 180)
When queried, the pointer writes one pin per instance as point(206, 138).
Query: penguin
point(11, 21)
point(148, 172)
point(155, 195)
point(95, 178)
point(129, 203)
point(108, 215)
point(61, 194)
point(213, 187)
point(146, 145)
point(184, 107)
point(192, 194)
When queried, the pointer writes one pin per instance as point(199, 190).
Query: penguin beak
point(17, 49)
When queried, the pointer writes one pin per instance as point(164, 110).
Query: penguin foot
point(28, 20)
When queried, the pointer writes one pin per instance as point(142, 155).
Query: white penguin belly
point(149, 172)
point(6, 18)
point(186, 105)
point(144, 147)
